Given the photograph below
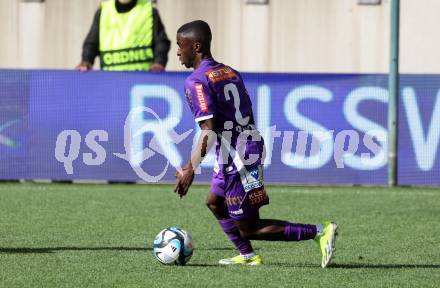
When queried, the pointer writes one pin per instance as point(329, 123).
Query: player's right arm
point(206, 140)
point(200, 98)
point(200, 102)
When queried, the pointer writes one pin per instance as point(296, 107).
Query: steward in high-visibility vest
point(127, 35)
point(125, 39)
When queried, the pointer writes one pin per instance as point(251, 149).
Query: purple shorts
point(244, 192)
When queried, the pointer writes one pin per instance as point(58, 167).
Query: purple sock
point(299, 232)
point(243, 245)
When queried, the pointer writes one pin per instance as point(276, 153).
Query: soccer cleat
point(327, 243)
point(240, 260)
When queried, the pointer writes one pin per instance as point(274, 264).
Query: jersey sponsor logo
point(201, 97)
point(220, 74)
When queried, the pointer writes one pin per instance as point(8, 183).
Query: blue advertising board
point(14, 124)
point(419, 130)
point(129, 126)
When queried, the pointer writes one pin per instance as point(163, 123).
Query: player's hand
point(156, 67)
point(84, 66)
point(184, 179)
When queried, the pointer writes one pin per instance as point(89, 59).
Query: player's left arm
point(207, 138)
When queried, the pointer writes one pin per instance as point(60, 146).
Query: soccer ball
point(173, 245)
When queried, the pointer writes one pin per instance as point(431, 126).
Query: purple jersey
point(217, 91)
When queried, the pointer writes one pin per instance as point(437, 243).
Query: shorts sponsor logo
point(254, 173)
point(201, 97)
point(253, 179)
point(252, 186)
point(234, 200)
point(258, 196)
point(237, 212)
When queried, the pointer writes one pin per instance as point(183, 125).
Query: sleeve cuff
point(205, 117)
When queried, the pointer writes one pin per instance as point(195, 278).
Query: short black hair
point(201, 31)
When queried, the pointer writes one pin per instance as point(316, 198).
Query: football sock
point(319, 229)
point(243, 245)
point(299, 232)
point(248, 255)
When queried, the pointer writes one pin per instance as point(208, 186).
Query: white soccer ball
point(173, 245)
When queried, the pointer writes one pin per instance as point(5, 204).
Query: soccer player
point(222, 108)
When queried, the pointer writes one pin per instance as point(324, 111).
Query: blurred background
point(279, 36)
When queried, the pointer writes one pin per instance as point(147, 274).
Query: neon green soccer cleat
point(327, 243)
point(240, 260)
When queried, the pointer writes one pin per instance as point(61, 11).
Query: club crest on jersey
point(201, 97)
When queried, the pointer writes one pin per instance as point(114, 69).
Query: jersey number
point(229, 89)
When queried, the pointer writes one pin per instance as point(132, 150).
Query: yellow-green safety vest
point(125, 39)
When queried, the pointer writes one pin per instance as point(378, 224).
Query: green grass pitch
point(81, 235)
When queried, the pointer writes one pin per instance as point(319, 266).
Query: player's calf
point(275, 230)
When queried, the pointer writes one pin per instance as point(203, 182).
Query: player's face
point(185, 50)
